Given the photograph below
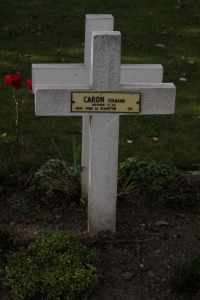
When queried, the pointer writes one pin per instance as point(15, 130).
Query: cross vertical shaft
point(104, 136)
point(93, 23)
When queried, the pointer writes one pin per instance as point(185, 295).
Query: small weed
point(56, 177)
point(125, 184)
point(3, 172)
point(148, 175)
point(7, 240)
point(184, 192)
point(186, 273)
point(170, 185)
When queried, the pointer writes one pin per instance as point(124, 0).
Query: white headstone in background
point(99, 99)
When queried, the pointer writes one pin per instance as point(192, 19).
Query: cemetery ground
point(137, 261)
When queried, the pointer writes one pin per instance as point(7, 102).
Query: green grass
point(186, 273)
point(34, 31)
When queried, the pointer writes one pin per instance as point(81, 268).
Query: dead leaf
point(127, 275)
point(20, 56)
point(59, 51)
point(58, 216)
point(184, 75)
point(161, 223)
point(129, 141)
point(39, 27)
point(5, 29)
point(181, 216)
point(157, 251)
point(34, 16)
point(160, 45)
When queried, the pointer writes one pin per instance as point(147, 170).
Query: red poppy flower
point(29, 83)
point(14, 80)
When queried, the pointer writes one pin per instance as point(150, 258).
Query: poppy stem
point(17, 144)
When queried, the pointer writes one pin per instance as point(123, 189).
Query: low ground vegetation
point(55, 266)
point(144, 185)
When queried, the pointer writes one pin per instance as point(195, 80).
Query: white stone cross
point(105, 71)
point(82, 74)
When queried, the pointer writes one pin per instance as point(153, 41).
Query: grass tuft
point(186, 273)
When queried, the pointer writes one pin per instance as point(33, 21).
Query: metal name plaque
point(105, 102)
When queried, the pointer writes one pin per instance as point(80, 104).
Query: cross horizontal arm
point(141, 73)
point(157, 98)
point(59, 74)
point(76, 74)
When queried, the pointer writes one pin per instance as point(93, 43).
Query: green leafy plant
point(76, 168)
point(147, 175)
point(56, 177)
point(55, 266)
point(184, 192)
point(125, 184)
point(186, 272)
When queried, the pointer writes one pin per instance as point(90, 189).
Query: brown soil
point(136, 262)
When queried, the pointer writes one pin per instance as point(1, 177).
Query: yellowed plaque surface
point(102, 102)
